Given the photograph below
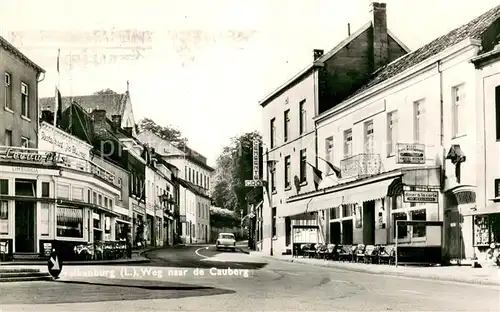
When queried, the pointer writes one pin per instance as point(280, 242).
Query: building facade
point(289, 133)
point(194, 183)
point(389, 154)
point(18, 97)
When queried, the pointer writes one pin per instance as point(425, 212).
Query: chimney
point(318, 53)
point(117, 120)
point(128, 131)
point(380, 37)
point(99, 115)
point(348, 29)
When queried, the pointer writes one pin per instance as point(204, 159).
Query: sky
point(202, 66)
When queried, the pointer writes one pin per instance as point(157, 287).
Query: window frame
point(418, 118)
point(369, 138)
point(8, 92)
point(392, 132)
point(286, 125)
point(329, 153)
point(348, 143)
point(497, 111)
point(303, 165)
point(457, 110)
point(25, 105)
point(288, 171)
point(272, 129)
point(303, 116)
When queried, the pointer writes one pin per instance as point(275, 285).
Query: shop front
point(366, 212)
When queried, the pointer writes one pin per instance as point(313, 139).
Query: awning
point(367, 192)
point(293, 208)
point(325, 201)
point(123, 221)
point(489, 209)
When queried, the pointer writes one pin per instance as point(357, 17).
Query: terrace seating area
point(370, 254)
point(109, 250)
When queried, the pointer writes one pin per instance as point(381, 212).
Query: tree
point(105, 91)
point(168, 133)
point(233, 167)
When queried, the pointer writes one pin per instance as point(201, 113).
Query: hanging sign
point(420, 196)
point(410, 153)
point(256, 163)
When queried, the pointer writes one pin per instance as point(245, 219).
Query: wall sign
point(32, 156)
point(410, 153)
point(256, 163)
point(420, 197)
point(62, 142)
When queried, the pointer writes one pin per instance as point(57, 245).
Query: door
point(25, 226)
point(369, 223)
point(453, 234)
point(335, 233)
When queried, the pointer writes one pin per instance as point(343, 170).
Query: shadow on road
point(52, 292)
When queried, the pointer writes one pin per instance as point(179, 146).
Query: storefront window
point(69, 222)
point(4, 187)
point(335, 213)
point(97, 220)
point(45, 189)
point(44, 219)
point(347, 210)
point(486, 229)
point(4, 217)
point(418, 229)
point(107, 228)
point(402, 229)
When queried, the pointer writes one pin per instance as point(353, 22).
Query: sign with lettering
point(420, 196)
point(32, 156)
point(62, 142)
point(256, 163)
point(410, 153)
point(253, 183)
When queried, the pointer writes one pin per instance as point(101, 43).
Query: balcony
point(361, 165)
point(9, 154)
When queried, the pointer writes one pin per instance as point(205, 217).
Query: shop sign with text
point(32, 156)
point(410, 153)
point(62, 142)
point(256, 163)
point(420, 196)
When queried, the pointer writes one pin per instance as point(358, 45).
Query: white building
point(194, 183)
point(289, 133)
point(408, 144)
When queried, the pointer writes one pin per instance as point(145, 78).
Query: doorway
point(335, 233)
point(369, 223)
point(25, 226)
point(347, 228)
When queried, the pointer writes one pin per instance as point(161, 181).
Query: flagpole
point(56, 98)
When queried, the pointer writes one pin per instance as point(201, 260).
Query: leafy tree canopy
point(233, 167)
point(105, 91)
point(168, 133)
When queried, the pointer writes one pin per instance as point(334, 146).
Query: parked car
point(226, 241)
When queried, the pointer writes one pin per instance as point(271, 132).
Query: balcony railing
point(49, 158)
point(361, 165)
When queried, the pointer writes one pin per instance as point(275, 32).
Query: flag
point(334, 168)
point(57, 99)
point(318, 176)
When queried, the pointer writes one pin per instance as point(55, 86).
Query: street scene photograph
point(235, 155)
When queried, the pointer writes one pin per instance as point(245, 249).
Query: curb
point(475, 281)
point(243, 250)
point(69, 263)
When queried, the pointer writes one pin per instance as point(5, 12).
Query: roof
point(13, 50)
point(113, 104)
point(191, 188)
point(325, 57)
point(472, 30)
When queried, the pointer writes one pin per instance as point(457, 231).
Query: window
point(25, 142)
point(63, 191)
point(24, 100)
point(106, 202)
point(110, 202)
point(392, 132)
point(497, 188)
point(288, 172)
point(197, 182)
point(199, 210)
point(419, 121)
point(8, 138)
point(100, 200)
point(328, 154)
point(334, 213)
point(77, 193)
point(4, 217)
point(369, 137)
point(4, 187)
point(418, 230)
point(44, 219)
point(348, 143)
point(273, 178)
point(303, 117)
point(486, 229)
point(45, 189)
point(286, 129)
point(69, 222)
point(497, 111)
point(274, 222)
point(273, 132)
point(303, 164)
point(402, 229)
point(189, 177)
point(288, 230)
point(94, 198)
point(8, 92)
point(459, 114)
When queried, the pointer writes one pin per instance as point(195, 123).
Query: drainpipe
point(441, 140)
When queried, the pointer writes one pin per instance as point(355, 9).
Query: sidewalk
point(137, 258)
point(464, 274)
